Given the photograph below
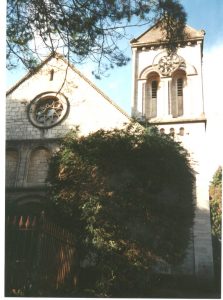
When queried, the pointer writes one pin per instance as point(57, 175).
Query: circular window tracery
point(47, 110)
point(168, 63)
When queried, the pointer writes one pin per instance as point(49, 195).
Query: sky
point(201, 14)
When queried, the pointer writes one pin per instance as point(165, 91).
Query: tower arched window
point(177, 94)
point(150, 88)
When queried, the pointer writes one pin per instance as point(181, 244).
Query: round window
point(167, 64)
point(47, 110)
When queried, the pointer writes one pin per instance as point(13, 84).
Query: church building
point(166, 91)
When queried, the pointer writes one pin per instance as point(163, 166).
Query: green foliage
point(83, 29)
point(215, 203)
point(215, 192)
point(127, 196)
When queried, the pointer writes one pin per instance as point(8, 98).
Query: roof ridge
point(135, 39)
point(61, 56)
point(155, 35)
point(94, 86)
point(30, 73)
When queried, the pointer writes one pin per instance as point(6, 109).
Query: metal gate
point(40, 257)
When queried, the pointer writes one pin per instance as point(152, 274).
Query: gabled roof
point(59, 56)
point(155, 35)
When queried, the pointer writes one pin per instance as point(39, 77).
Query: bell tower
point(167, 88)
point(168, 92)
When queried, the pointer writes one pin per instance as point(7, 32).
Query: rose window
point(48, 110)
point(168, 64)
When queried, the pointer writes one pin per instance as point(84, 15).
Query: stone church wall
point(88, 107)
point(29, 147)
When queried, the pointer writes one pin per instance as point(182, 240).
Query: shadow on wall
point(27, 165)
point(194, 277)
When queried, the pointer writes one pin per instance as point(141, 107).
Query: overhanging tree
point(84, 30)
point(127, 196)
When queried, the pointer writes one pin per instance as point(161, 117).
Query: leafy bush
point(215, 203)
point(216, 215)
point(127, 195)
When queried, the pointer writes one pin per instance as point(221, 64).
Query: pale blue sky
point(202, 14)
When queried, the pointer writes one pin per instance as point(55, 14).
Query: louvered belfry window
point(154, 88)
point(150, 88)
point(177, 86)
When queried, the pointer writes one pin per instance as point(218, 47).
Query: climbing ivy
point(127, 196)
point(215, 192)
point(215, 203)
